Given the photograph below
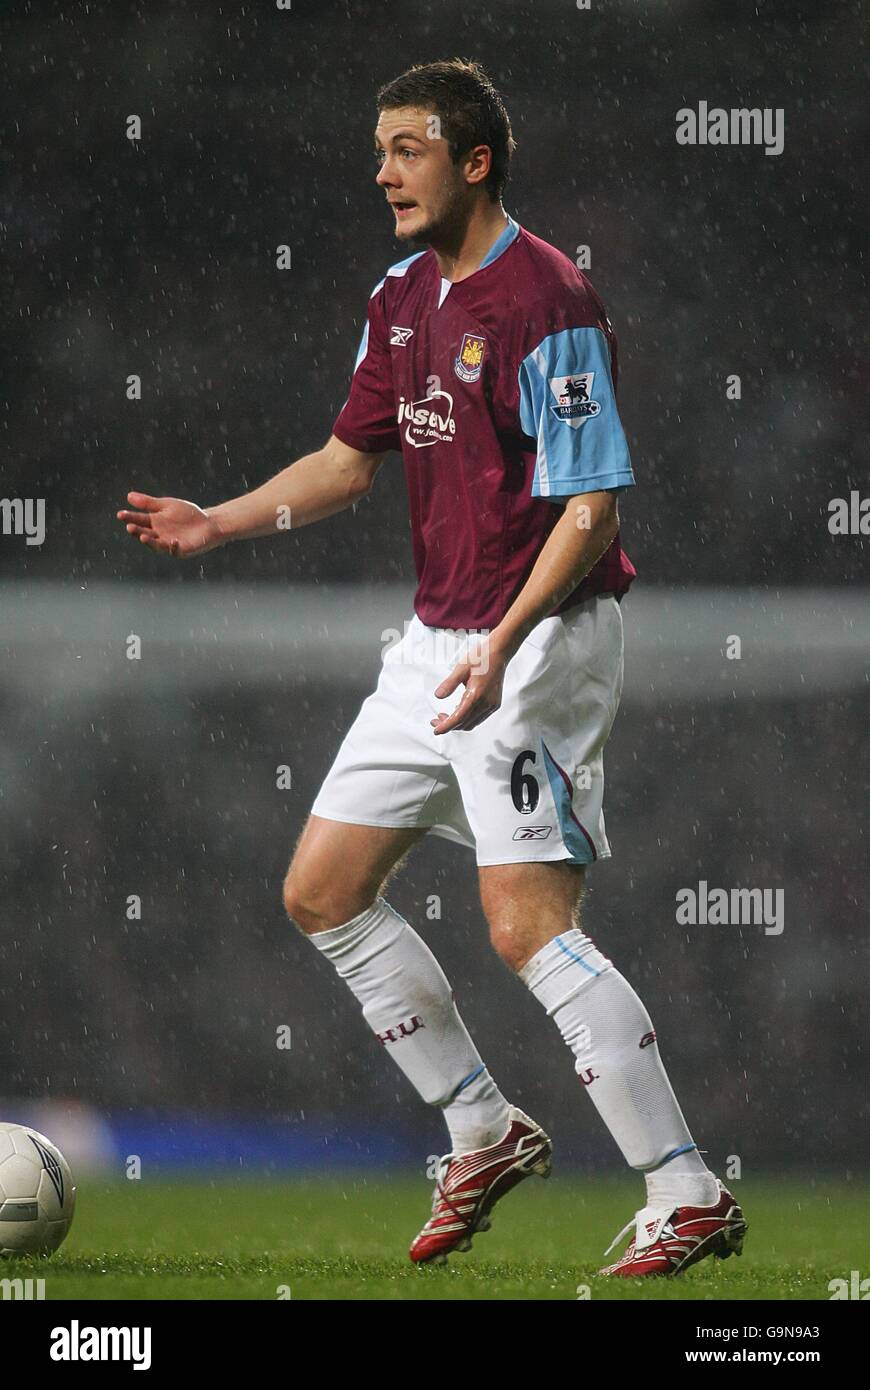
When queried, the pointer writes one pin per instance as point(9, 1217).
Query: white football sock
point(611, 1035)
point(682, 1181)
point(408, 1002)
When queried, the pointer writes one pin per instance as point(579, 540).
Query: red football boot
point(668, 1240)
point(468, 1187)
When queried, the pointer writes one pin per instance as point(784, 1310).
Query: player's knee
point(300, 902)
point(509, 943)
point(316, 903)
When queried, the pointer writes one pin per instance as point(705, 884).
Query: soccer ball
point(37, 1194)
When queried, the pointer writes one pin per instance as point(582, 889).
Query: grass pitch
point(334, 1238)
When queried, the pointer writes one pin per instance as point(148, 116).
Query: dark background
point(159, 258)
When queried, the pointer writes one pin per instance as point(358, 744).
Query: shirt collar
point(509, 235)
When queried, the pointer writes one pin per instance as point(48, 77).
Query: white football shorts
point(527, 784)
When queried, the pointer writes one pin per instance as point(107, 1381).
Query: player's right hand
point(168, 524)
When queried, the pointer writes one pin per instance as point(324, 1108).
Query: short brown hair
point(460, 93)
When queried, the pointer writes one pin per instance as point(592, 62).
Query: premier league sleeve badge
point(573, 398)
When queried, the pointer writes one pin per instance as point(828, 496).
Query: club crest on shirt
point(469, 364)
point(573, 398)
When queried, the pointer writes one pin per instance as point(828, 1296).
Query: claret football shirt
point(499, 392)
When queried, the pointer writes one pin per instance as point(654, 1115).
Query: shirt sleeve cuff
point(353, 439)
point(564, 488)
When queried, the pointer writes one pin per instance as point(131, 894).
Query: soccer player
point(488, 361)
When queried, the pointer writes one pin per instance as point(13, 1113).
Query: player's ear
point(478, 163)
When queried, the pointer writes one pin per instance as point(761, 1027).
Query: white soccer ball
point(37, 1193)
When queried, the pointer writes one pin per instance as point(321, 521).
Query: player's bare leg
point(527, 905)
point(533, 910)
point(338, 869)
point(333, 892)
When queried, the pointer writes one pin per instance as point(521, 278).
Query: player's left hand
point(482, 674)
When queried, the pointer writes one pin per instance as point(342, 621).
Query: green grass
point(347, 1239)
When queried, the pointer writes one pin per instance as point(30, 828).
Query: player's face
point(426, 190)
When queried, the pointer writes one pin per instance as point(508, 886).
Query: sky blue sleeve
point(567, 404)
